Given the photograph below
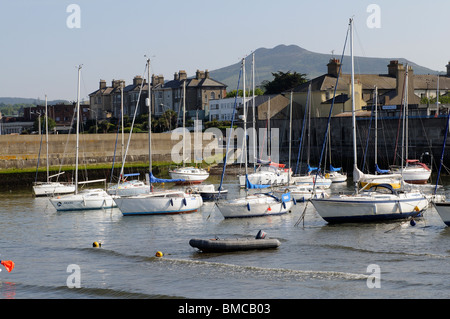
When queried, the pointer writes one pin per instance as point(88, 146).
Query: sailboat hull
point(52, 188)
point(415, 175)
point(257, 205)
point(443, 209)
point(190, 175)
point(89, 199)
point(265, 178)
point(377, 207)
point(159, 203)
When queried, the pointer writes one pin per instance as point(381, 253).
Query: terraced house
point(108, 101)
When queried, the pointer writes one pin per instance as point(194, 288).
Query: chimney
point(199, 75)
point(137, 80)
point(392, 68)
point(102, 84)
point(175, 76)
point(157, 79)
point(116, 83)
point(206, 74)
point(448, 68)
point(333, 67)
point(182, 75)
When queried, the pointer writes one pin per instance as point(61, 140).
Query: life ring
point(189, 190)
point(286, 190)
point(327, 175)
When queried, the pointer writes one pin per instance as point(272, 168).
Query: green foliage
point(443, 99)
point(51, 124)
point(284, 81)
point(258, 91)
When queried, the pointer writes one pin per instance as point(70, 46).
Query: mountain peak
point(296, 59)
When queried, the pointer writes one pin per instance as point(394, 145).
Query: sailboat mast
point(290, 139)
point(121, 112)
point(77, 131)
point(353, 103)
point(254, 108)
point(149, 118)
point(244, 146)
point(184, 118)
point(376, 127)
point(46, 132)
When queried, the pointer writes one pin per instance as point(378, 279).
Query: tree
point(51, 124)
point(258, 91)
point(284, 81)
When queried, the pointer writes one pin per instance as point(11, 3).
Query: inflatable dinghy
point(235, 244)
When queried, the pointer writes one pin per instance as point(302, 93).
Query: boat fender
point(171, 202)
point(184, 202)
point(412, 222)
point(295, 202)
point(159, 254)
point(248, 206)
point(260, 235)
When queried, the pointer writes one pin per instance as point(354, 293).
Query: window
point(213, 95)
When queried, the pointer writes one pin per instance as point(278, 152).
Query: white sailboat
point(310, 178)
point(414, 172)
point(299, 193)
point(369, 180)
point(254, 205)
point(190, 175)
point(442, 206)
point(87, 199)
point(268, 172)
point(125, 187)
point(380, 202)
point(158, 202)
point(50, 188)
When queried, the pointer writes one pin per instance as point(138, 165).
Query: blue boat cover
point(286, 197)
point(253, 186)
point(153, 179)
point(334, 169)
point(381, 171)
point(310, 169)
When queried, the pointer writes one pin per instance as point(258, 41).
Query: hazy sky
point(42, 43)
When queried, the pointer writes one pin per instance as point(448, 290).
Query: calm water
point(315, 260)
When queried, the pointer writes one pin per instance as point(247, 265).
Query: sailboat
point(50, 188)
point(85, 199)
point(381, 176)
point(442, 206)
point(310, 179)
point(125, 187)
point(415, 172)
point(190, 175)
point(158, 202)
point(381, 202)
point(252, 205)
point(267, 172)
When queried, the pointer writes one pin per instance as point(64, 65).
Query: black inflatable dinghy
point(235, 244)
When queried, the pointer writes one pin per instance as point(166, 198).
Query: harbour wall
point(425, 135)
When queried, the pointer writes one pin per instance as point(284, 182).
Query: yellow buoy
point(159, 254)
point(96, 244)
